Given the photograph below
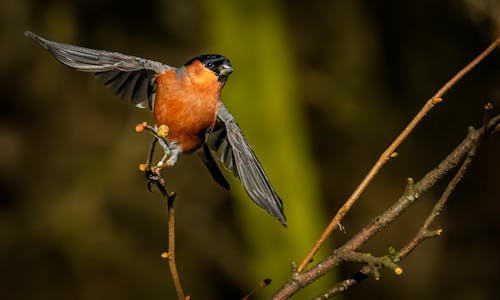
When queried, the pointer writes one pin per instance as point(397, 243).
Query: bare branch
point(154, 177)
point(411, 194)
point(424, 232)
point(388, 153)
point(371, 268)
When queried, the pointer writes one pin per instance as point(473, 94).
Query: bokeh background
point(320, 88)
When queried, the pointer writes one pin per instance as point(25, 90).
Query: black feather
point(213, 168)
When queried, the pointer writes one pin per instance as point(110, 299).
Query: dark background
point(320, 89)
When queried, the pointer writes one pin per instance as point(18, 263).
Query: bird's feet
point(170, 149)
point(153, 178)
point(171, 153)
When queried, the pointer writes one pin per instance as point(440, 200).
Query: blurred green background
point(320, 88)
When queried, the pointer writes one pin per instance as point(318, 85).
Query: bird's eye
point(210, 65)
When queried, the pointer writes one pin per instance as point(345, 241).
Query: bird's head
point(216, 63)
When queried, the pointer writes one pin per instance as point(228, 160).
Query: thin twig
point(424, 232)
point(261, 285)
point(386, 155)
point(170, 255)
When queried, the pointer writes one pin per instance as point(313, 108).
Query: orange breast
point(187, 104)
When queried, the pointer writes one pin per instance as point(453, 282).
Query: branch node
point(393, 254)
point(436, 100)
point(411, 192)
point(393, 154)
point(389, 263)
point(166, 255)
point(374, 270)
point(295, 278)
point(431, 233)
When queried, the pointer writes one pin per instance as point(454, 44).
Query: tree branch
point(424, 232)
point(388, 153)
point(371, 268)
point(170, 255)
point(412, 193)
point(153, 176)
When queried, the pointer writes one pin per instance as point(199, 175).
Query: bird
point(187, 101)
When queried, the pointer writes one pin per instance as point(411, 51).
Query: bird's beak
point(225, 69)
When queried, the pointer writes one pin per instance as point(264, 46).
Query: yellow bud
point(162, 131)
point(140, 127)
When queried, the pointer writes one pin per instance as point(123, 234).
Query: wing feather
point(130, 77)
point(233, 150)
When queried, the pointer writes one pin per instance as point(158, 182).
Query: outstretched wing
point(233, 150)
point(130, 77)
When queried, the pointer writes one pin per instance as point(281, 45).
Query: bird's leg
point(166, 149)
point(174, 154)
point(170, 157)
point(162, 160)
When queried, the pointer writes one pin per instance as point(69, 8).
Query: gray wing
point(130, 77)
point(233, 150)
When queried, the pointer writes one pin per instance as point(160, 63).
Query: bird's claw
point(153, 178)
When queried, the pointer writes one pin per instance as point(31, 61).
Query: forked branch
point(491, 127)
point(413, 192)
point(302, 277)
point(388, 153)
